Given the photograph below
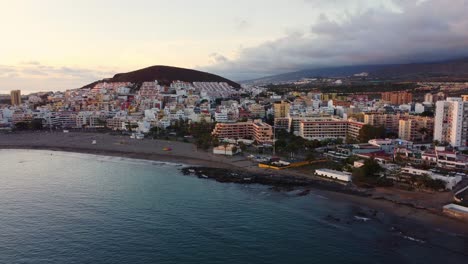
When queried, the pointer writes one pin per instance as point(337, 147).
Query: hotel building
point(353, 128)
point(451, 122)
point(256, 130)
point(389, 121)
point(409, 129)
point(323, 128)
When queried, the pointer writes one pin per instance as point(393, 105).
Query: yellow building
point(15, 97)
point(282, 109)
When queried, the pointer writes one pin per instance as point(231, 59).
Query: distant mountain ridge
point(457, 69)
point(165, 75)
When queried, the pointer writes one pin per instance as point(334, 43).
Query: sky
point(63, 44)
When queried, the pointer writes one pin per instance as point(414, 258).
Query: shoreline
point(122, 154)
point(283, 181)
point(401, 211)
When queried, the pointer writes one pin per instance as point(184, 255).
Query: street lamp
point(274, 139)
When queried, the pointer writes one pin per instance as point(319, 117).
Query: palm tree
point(424, 131)
point(225, 144)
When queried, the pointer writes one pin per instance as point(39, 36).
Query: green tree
point(369, 132)
point(36, 124)
point(310, 156)
point(427, 113)
point(242, 146)
point(234, 150)
point(225, 145)
point(21, 126)
point(368, 173)
point(423, 131)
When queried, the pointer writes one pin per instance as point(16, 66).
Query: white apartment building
point(451, 122)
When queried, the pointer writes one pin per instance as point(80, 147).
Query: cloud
point(30, 63)
point(35, 76)
point(243, 24)
point(414, 31)
point(218, 58)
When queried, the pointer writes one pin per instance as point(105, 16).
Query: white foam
point(365, 219)
point(102, 158)
point(414, 239)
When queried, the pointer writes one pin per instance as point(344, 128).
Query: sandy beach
point(424, 207)
point(112, 146)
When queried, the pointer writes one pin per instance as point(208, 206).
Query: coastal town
point(188, 132)
point(411, 140)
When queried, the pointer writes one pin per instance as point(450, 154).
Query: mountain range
point(450, 70)
point(165, 75)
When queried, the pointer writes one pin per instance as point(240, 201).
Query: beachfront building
point(116, 123)
point(20, 116)
point(228, 150)
point(451, 122)
point(449, 180)
point(252, 129)
point(444, 158)
point(335, 175)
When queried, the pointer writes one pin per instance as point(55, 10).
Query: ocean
point(59, 207)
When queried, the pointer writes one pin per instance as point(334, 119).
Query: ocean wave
point(360, 218)
point(414, 239)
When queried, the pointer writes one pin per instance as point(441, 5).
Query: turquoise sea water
point(58, 207)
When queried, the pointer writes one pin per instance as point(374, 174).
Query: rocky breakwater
point(278, 182)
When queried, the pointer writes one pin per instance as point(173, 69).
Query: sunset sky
point(63, 44)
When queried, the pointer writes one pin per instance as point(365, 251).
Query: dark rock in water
point(276, 189)
point(361, 214)
point(281, 188)
point(332, 218)
point(304, 193)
